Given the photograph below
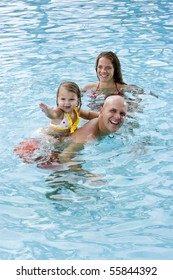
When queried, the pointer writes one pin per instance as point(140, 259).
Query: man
point(111, 118)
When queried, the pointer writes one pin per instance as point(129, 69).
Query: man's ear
point(101, 109)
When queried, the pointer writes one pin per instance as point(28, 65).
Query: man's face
point(113, 114)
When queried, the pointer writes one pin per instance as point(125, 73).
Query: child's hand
point(45, 108)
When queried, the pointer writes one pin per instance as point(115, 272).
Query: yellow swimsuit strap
point(73, 126)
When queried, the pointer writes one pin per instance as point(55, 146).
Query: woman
point(108, 70)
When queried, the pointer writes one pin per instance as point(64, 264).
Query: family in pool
point(63, 135)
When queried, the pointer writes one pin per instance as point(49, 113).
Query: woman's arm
point(131, 88)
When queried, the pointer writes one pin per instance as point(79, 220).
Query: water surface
point(48, 214)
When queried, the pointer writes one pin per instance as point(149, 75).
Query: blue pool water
point(64, 215)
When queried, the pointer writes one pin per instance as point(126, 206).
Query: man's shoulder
point(89, 125)
point(86, 132)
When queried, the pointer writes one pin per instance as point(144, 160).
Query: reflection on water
point(63, 182)
point(132, 97)
point(59, 181)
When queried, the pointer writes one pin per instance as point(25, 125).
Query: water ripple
point(64, 215)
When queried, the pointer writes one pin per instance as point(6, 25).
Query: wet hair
point(116, 65)
point(72, 87)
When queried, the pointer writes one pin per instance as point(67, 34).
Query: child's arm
point(50, 112)
point(88, 115)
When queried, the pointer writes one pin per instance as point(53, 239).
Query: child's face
point(67, 100)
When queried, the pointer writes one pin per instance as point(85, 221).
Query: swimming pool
point(63, 215)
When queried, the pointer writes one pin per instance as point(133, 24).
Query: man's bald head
point(115, 99)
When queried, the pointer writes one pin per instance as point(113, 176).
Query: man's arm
point(67, 155)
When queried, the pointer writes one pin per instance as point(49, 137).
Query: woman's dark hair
point(73, 87)
point(116, 65)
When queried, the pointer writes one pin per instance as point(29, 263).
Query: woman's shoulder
point(89, 86)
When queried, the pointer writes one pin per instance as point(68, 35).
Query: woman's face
point(105, 70)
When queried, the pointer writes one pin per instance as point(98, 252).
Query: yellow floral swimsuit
point(67, 122)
